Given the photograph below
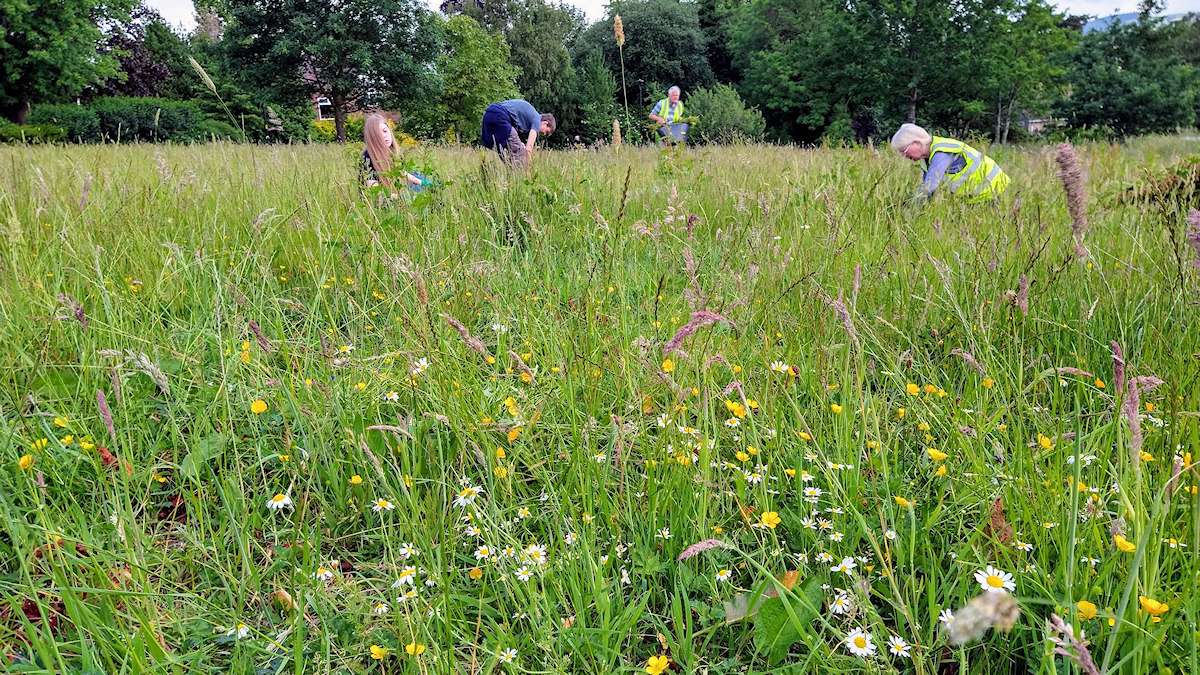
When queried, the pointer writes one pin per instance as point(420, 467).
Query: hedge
point(81, 123)
point(31, 133)
point(128, 120)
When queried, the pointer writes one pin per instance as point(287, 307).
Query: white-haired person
point(953, 164)
point(668, 111)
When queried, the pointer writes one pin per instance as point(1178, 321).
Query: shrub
point(724, 117)
point(31, 133)
point(324, 131)
point(222, 131)
point(80, 122)
point(148, 119)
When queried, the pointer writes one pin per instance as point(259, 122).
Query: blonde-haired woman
point(964, 169)
point(381, 154)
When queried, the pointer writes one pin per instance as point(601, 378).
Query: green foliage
point(130, 120)
point(475, 73)
point(597, 92)
point(663, 43)
point(344, 52)
point(546, 77)
point(218, 130)
point(778, 626)
point(724, 117)
point(1131, 79)
point(31, 133)
point(80, 122)
point(48, 49)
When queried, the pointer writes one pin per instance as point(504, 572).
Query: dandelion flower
point(279, 501)
point(898, 647)
point(258, 407)
point(859, 643)
point(995, 580)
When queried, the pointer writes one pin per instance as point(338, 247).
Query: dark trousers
point(500, 135)
point(497, 128)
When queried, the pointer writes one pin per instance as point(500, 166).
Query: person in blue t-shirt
point(505, 123)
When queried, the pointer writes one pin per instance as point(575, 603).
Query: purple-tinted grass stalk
point(1193, 234)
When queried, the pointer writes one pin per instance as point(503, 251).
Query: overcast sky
point(180, 12)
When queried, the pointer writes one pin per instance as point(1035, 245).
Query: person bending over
point(954, 164)
point(505, 123)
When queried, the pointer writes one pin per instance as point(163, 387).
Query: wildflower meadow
point(736, 409)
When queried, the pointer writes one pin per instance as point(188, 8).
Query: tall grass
point(185, 284)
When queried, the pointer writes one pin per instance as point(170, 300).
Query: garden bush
point(724, 117)
point(80, 122)
point(31, 133)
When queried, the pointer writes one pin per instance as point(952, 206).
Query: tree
point(1130, 79)
point(49, 50)
point(663, 44)
point(475, 73)
point(538, 43)
point(141, 72)
point(1017, 68)
point(597, 92)
point(350, 52)
point(797, 63)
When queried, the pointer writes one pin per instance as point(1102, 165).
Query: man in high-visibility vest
point(945, 161)
point(667, 111)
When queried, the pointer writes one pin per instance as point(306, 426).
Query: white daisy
point(279, 502)
point(507, 655)
point(859, 643)
point(898, 647)
point(995, 580)
point(724, 575)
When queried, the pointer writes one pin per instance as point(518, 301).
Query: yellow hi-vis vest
point(665, 111)
point(980, 179)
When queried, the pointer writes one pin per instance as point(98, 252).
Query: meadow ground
point(256, 422)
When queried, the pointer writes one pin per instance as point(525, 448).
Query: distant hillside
point(1130, 17)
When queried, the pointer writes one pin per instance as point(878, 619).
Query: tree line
point(801, 71)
